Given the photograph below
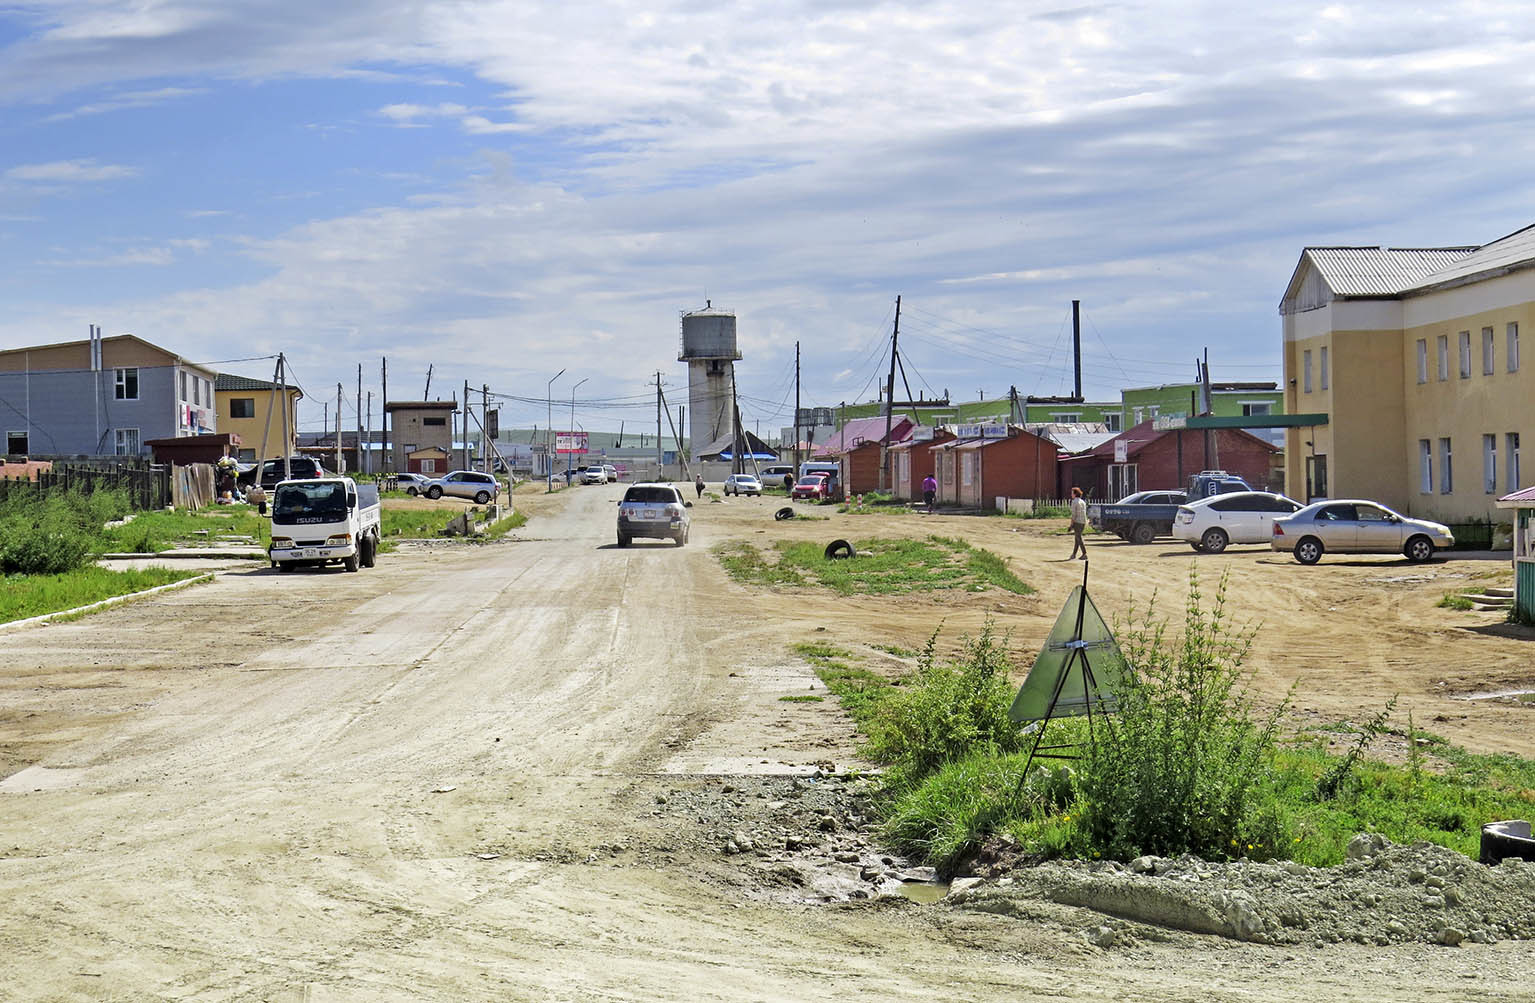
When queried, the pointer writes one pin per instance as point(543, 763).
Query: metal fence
point(147, 486)
point(1474, 535)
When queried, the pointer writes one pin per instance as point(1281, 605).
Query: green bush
point(948, 711)
point(54, 534)
point(1186, 766)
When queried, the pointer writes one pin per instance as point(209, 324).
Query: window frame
point(251, 401)
point(1442, 357)
point(1511, 441)
point(26, 443)
point(1305, 364)
point(1489, 352)
point(1463, 354)
point(1511, 334)
point(1322, 380)
point(1446, 466)
point(1490, 463)
point(1425, 466)
point(124, 379)
point(1422, 361)
point(119, 435)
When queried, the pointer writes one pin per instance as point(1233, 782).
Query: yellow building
point(1413, 353)
point(249, 409)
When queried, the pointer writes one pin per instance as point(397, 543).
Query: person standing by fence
point(1078, 524)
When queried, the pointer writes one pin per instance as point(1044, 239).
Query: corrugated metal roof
point(1513, 251)
point(1380, 271)
point(228, 381)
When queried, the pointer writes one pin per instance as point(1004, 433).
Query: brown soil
point(510, 771)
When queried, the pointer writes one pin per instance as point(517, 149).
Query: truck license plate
point(309, 552)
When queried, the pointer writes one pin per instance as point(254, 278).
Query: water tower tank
point(708, 334)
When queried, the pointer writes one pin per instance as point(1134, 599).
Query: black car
point(271, 472)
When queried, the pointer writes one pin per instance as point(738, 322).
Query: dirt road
point(497, 773)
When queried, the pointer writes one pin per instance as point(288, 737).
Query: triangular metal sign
point(1081, 647)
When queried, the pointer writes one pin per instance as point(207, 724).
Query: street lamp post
point(572, 421)
point(549, 429)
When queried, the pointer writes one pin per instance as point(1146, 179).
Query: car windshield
point(650, 496)
point(810, 479)
point(300, 504)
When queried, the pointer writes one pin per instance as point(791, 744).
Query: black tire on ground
point(434, 492)
point(284, 565)
point(784, 513)
point(352, 563)
point(482, 498)
point(1419, 549)
point(1143, 533)
point(1197, 548)
point(368, 548)
point(1214, 541)
point(623, 541)
point(1309, 550)
point(681, 539)
point(411, 492)
point(838, 550)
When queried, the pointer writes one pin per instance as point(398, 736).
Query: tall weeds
point(1183, 768)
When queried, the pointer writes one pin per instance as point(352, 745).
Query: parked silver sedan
point(1357, 526)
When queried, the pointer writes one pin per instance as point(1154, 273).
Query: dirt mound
point(1384, 894)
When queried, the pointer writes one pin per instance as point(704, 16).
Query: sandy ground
point(493, 772)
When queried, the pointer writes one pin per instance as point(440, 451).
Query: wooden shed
point(1523, 505)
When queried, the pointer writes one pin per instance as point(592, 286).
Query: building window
point(242, 407)
point(1425, 467)
point(1140, 415)
point(1511, 440)
point(16, 443)
point(126, 442)
point(438, 422)
point(1113, 420)
point(1066, 418)
point(247, 456)
point(1490, 463)
point(1306, 371)
point(1513, 348)
point(208, 392)
point(1124, 479)
point(967, 470)
point(126, 382)
point(1487, 351)
point(428, 466)
point(1323, 367)
point(1442, 343)
point(1154, 410)
point(183, 386)
point(1422, 360)
point(1465, 355)
point(1446, 468)
point(1252, 408)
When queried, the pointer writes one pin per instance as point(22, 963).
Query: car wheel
point(1419, 549)
point(1198, 549)
point(1143, 534)
point(482, 498)
point(434, 492)
point(623, 541)
point(284, 566)
point(369, 548)
point(1214, 541)
point(411, 492)
point(1308, 550)
point(351, 563)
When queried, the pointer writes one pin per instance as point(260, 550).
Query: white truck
point(324, 519)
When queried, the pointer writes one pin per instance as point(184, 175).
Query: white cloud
point(128, 99)
point(68, 172)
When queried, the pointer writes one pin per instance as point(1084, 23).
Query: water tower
point(709, 349)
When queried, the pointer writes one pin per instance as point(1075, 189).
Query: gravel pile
point(1383, 894)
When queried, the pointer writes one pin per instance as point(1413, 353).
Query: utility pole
point(383, 418)
point(361, 452)
point(796, 409)
point(884, 446)
point(465, 424)
point(426, 394)
point(1076, 347)
point(736, 466)
point(484, 417)
point(282, 392)
point(660, 453)
point(338, 428)
point(324, 420)
point(549, 440)
point(367, 463)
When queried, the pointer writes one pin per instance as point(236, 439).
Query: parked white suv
point(1210, 524)
point(657, 511)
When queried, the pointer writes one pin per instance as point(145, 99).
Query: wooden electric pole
point(884, 446)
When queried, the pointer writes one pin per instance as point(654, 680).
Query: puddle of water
point(923, 892)
point(1523, 696)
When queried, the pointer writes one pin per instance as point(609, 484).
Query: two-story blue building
point(101, 397)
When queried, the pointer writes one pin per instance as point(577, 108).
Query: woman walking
point(1078, 523)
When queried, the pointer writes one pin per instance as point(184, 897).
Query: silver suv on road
point(483, 488)
point(657, 511)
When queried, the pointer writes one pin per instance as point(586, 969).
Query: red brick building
point(1164, 460)
point(856, 448)
point(974, 473)
point(913, 460)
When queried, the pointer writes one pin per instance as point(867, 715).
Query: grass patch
point(801, 698)
point(501, 527)
point(412, 524)
point(34, 595)
point(896, 650)
point(882, 567)
point(1453, 601)
point(153, 532)
point(1188, 765)
point(1039, 512)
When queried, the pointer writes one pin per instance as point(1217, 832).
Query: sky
point(504, 190)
